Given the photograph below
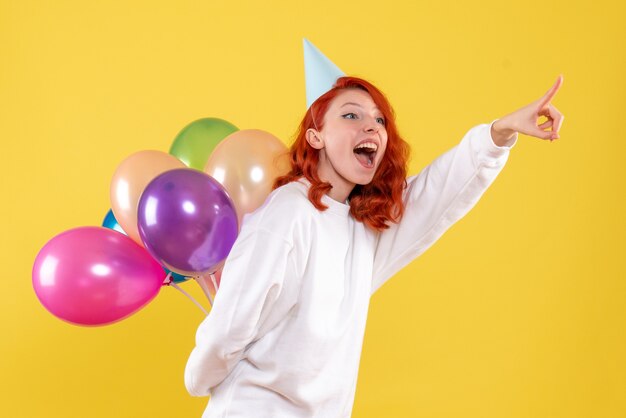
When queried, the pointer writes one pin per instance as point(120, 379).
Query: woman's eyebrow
point(355, 104)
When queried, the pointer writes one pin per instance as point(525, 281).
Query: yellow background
point(518, 311)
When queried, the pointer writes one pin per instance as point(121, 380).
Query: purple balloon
point(95, 276)
point(187, 221)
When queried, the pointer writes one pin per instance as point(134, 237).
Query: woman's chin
point(364, 180)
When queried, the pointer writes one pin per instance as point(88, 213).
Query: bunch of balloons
point(173, 215)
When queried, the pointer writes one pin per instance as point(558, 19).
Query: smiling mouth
point(366, 153)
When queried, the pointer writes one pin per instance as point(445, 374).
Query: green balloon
point(196, 141)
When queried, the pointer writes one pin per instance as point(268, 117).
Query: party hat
point(319, 72)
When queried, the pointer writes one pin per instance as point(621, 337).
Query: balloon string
point(212, 276)
point(206, 291)
point(175, 286)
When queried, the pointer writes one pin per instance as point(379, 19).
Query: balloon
point(95, 276)
point(111, 223)
point(176, 278)
point(187, 221)
point(129, 180)
point(196, 141)
point(246, 163)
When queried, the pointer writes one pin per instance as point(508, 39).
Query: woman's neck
point(340, 194)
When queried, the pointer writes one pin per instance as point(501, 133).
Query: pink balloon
point(95, 276)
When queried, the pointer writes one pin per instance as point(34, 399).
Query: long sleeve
point(441, 194)
point(253, 282)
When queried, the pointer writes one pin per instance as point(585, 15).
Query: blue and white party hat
point(319, 72)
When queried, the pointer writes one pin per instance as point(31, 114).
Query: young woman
point(285, 333)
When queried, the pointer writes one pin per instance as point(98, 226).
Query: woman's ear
point(314, 138)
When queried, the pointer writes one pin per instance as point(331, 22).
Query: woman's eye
point(349, 116)
point(380, 120)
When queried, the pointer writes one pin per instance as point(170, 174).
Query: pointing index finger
point(552, 92)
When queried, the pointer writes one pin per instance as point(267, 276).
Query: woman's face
point(352, 142)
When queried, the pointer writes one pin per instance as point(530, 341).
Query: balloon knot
point(168, 279)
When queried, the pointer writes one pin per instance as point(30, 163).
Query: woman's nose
point(370, 125)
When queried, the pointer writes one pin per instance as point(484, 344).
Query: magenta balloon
point(187, 221)
point(95, 276)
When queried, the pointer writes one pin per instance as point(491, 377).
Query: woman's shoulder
point(291, 196)
point(287, 203)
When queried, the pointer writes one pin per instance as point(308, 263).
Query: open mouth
point(365, 153)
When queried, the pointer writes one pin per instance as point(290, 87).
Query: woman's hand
point(525, 120)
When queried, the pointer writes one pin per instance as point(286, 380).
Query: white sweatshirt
point(285, 333)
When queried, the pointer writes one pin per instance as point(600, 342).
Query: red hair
point(375, 204)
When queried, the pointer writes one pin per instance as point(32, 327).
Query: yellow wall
point(518, 311)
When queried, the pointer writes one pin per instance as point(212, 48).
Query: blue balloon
point(111, 223)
